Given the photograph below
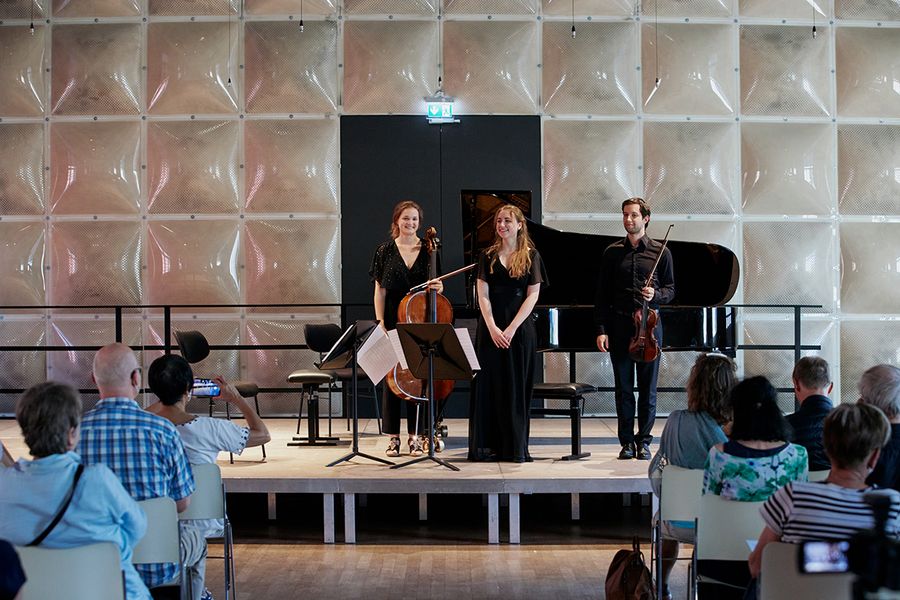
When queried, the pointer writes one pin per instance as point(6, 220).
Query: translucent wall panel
point(868, 72)
point(21, 263)
point(870, 267)
point(865, 344)
point(96, 8)
point(192, 262)
point(96, 69)
point(270, 368)
point(389, 66)
point(492, 7)
point(193, 166)
point(867, 9)
point(292, 7)
point(291, 166)
point(777, 365)
point(193, 7)
point(589, 166)
point(314, 274)
point(95, 167)
point(391, 7)
point(869, 169)
point(617, 8)
point(22, 369)
point(789, 263)
point(287, 71)
point(95, 263)
point(74, 367)
point(491, 67)
point(785, 9)
point(594, 73)
point(188, 68)
point(691, 167)
point(21, 169)
point(787, 168)
point(22, 77)
point(23, 9)
point(695, 69)
point(785, 71)
point(680, 8)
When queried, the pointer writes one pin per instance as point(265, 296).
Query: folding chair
point(724, 528)
point(91, 572)
point(162, 542)
point(780, 578)
point(680, 492)
point(208, 502)
point(819, 475)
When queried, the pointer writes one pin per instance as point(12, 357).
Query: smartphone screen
point(205, 388)
point(824, 557)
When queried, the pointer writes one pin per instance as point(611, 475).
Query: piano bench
point(574, 393)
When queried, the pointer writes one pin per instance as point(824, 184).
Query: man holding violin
point(627, 282)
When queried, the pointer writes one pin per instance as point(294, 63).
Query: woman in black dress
point(398, 265)
point(510, 276)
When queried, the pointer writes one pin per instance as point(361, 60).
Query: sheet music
point(394, 337)
point(377, 355)
point(466, 342)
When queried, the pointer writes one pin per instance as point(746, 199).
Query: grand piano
point(706, 277)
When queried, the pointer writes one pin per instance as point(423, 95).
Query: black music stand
point(432, 351)
point(342, 355)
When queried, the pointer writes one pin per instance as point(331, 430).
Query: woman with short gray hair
point(54, 501)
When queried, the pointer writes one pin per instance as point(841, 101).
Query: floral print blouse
point(753, 479)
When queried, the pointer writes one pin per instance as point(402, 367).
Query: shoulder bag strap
point(62, 509)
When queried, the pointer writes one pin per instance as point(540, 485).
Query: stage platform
point(303, 470)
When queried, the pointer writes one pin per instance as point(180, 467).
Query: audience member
point(758, 459)
point(145, 451)
point(93, 505)
point(12, 577)
point(880, 387)
point(688, 436)
point(833, 509)
point(812, 385)
point(171, 379)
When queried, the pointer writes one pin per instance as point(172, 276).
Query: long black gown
point(392, 274)
point(498, 412)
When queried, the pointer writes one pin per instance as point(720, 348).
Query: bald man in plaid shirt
point(144, 451)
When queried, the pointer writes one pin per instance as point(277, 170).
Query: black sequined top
point(391, 273)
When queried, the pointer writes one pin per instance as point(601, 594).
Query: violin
point(422, 306)
point(644, 347)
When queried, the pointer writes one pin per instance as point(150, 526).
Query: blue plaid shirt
point(146, 453)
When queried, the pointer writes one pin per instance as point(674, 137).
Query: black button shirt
point(623, 273)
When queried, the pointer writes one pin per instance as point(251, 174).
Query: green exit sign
point(439, 112)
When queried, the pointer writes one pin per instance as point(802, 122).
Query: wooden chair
point(91, 572)
point(208, 502)
point(780, 578)
point(680, 492)
point(162, 542)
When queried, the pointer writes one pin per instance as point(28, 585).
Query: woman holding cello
point(510, 277)
point(398, 265)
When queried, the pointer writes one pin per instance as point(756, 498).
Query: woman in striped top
point(833, 509)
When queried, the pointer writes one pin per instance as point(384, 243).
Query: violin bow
point(659, 256)
point(422, 286)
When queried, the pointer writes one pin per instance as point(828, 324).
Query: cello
point(644, 347)
point(422, 306)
